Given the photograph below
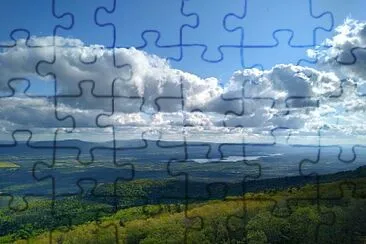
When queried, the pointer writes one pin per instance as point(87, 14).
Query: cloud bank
point(145, 93)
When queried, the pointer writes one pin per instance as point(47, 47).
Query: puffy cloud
point(346, 57)
point(347, 53)
point(148, 92)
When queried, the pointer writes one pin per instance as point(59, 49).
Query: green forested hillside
point(331, 213)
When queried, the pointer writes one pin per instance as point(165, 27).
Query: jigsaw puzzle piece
point(92, 156)
point(332, 157)
point(21, 110)
point(22, 60)
point(73, 139)
point(309, 152)
point(332, 201)
point(20, 168)
point(180, 153)
point(68, 184)
point(184, 151)
point(80, 152)
point(127, 111)
point(208, 14)
point(19, 11)
point(271, 16)
point(177, 165)
point(152, 45)
point(84, 17)
point(189, 161)
point(238, 158)
point(163, 104)
point(238, 225)
point(222, 69)
point(100, 68)
point(350, 62)
point(268, 56)
point(241, 98)
point(241, 115)
point(307, 207)
point(130, 20)
point(190, 221)
point(287, 89)
point(85, 99)
point(21, 87)
point(340, 10)
point(306, 219)
point(254, 159)
point(350, 195)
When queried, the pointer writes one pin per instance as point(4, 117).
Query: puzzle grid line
point(180, 49)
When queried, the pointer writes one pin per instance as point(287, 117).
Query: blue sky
point(201, 39)
point(131, 18)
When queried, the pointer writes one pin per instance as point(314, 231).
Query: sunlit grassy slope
point(331, 213)
point(4, 165)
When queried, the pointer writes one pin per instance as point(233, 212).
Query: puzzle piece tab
point(270, 16)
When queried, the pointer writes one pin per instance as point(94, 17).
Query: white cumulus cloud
point(149, 94)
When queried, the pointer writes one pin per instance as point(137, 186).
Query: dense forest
point(295, 210)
